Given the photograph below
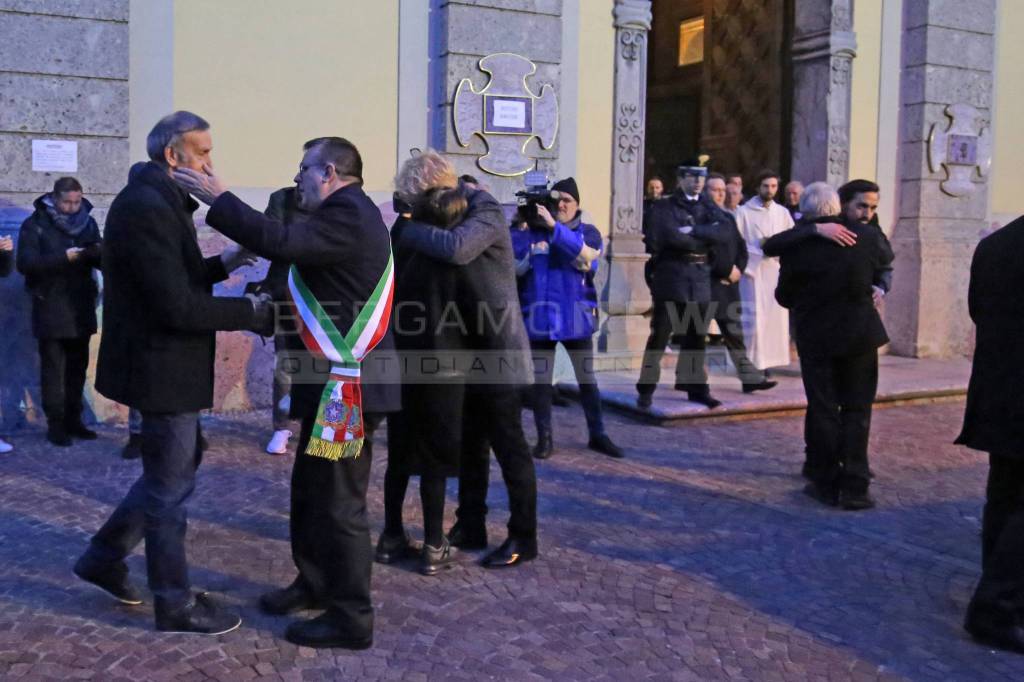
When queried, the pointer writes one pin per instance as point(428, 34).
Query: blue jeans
point(154, 509)
point(581, 353)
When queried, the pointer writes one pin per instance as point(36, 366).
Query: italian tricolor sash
point(338, 432)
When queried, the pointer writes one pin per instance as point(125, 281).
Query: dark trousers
point(840, 392)
point(581, 353)
point(684, 323)
point(999, 597)
point(432, 494)
point(282, 384)
point(62, 364)
point(154, 509)
point(727, 311)
point(493, 418)
point(330, 530)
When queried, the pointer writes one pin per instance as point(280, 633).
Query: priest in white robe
point(765, 322)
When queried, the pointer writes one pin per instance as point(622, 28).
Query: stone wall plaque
point(961, 150)
point(506, 114)
point(55, 156)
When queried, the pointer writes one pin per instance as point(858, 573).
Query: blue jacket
point(556, 279)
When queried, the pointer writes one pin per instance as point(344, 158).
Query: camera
point(537, 193)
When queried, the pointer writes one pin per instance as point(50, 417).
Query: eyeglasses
point(303, 168)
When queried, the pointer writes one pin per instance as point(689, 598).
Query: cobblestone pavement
point(696, 558)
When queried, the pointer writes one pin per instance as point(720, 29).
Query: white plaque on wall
point(56, 156)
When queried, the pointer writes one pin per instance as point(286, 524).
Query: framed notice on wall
point(507, 114)
point(55, 156)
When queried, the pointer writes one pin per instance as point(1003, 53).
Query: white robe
point(765, 322)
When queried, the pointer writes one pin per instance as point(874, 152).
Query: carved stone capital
point(633, 14)
point(823, 44)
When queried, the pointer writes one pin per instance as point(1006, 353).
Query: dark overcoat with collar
point(341, 250)
point(827, 287)
point(64, 293)
point(160, 316)
point(994, 417)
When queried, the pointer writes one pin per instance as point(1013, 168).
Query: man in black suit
point(157, 356)
point(728, 261)
point(341, 252)
point(828, 288)
point(994, 423)
point(482, 245)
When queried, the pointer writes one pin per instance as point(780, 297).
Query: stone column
point(624, 293)
point(948, 56)
point(824, 46)
point(464, 31)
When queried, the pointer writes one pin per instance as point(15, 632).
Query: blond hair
point(423, 172)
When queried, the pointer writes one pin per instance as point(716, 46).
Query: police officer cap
point(697, 165)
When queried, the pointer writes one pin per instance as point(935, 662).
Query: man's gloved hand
point(264, 317)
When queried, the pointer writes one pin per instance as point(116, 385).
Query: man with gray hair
point(828, 288)
point(157, 356)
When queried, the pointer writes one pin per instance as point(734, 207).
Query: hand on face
point(203, 185)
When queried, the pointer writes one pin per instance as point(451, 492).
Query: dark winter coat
point(64, 293)
point(994, 418)
point(490, 305)
point(341, 250)
point(828, 289)
point(680, 237)
point(6, 263)
point(159, 312)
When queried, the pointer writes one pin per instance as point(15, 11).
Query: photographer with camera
point(556, 259)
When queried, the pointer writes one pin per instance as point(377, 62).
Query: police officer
point(683, 229)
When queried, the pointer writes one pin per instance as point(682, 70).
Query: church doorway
point(719, 83)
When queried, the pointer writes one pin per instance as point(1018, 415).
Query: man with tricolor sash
point(340, 286)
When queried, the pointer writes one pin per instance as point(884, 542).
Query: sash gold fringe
point(334, 451)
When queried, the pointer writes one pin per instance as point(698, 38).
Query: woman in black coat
point(58, 248)
point(425, 438)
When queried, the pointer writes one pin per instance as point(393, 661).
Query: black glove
point(264, 317)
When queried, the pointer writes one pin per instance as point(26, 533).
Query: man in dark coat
point(728, 261)
point(157, 356)
point(58, 250)
point(994, 423)
point(838, 332)
point(683, 228)
point(493, 416)
point(341, 251)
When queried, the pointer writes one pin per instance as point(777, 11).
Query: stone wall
point(63, 76)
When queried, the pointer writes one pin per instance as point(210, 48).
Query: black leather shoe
point(545, 446)
point(856, 501)
point(433, 560)
point(394, 548)
point(201, 617)
point(1008, 634)
point(58, 435)
point(466, 536)
point(644, 401)
point(762, 386)
point(605, 446)
point(511, 553)
point(293, 598)
point(824, 495)
point(80, 431)
point(703, 399)
point(112, 579)
point(323, 632)
point(133, 448)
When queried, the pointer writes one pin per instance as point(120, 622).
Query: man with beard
point(765, 322)
point(684, 228)
point(994, 423)
point(157, 356)
point(58, 249)
point(728, 260)
point(859, 199)
point(340, 284)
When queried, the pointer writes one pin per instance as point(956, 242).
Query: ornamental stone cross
point(506, 114)
point(965, 146)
